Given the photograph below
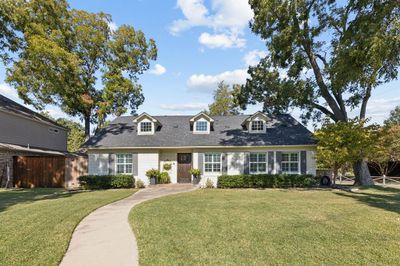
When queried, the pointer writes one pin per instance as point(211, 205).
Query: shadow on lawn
point(378, 197)
point(12, 197)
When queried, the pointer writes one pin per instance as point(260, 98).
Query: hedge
point(107, 181)
point(265, 181)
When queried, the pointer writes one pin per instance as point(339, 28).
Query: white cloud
point(9, 92)
point(253, 57)
point(227, 19)
point(221, 40)
point(112, 26)
point(158, 70)
point(184, 107)
point(207, 83)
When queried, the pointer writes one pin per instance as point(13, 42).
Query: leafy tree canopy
point(394, 117)
point(324, 56)
point(223, 101)
point(59, 54)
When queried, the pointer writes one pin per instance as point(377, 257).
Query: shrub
point(164, 178)
point(209, 183)
point(122, 181)
point(195, 172)
point(106, 181)
point(153, 173)
point(265, 181)
point(140, 184)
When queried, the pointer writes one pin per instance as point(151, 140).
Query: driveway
point(105, 237)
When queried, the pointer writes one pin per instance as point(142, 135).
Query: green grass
point(270, 227)
point(36, 224)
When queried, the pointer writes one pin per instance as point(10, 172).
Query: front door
point(184, 165)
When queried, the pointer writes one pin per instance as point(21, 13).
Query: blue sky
point(199, 43)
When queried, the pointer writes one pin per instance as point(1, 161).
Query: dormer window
point(146, 127)
point(201, 123)
point(256, 123)
point(257, 126)
point(202, 126)
point(146, 124)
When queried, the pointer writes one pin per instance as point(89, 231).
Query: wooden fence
point(48, 171)
point(379, 180)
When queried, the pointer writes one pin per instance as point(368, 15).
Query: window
point(290, 163)
point(258, 162)
point(212, 162)
point(202, 126)
point(145, 127)
point(124, 164)
point(257, 126)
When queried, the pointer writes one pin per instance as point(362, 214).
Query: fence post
point(384, 180)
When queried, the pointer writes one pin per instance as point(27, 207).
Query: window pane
point(294, 167)
point(128, 168)
point(208, 157)
point(217, 157)
point(293, 156)
point(253, 167)
point(120, 169)
point(208, 167)
point(201, 126)
point(262, 157)
point(285, 157)
point(257, 125)
point(253, 157)
point(285, 167)
point(262, 167)
point(145, 126)
point(217, 167)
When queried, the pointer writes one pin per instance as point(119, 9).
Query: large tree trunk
point(361, 171)
point(87, 127)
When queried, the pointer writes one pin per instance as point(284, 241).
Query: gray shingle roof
point(175, 132)
point(11, 106)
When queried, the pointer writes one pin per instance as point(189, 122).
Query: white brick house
point(232, 145)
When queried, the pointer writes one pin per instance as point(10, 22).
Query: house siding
point(24, 131)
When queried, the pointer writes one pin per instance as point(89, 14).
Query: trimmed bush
point(107, 181)
point(140, 184)
point(164, 178)
point(265, 181)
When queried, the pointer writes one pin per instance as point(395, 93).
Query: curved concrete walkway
point(105, 237)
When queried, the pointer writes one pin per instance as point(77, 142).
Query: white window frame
point(201, 131)
point(202, 122)
point(258, 162)
point(125, 163)
point(290, 162)
point(212, 163)
point(140, 132)
point(258, 130)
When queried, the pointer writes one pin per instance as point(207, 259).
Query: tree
point(76, 132)
point(324, 57)
point(394, 117)
point(343, 142)
point(386, 149)
point(223, 101)
point(61, 62)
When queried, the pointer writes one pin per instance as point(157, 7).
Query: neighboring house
point(217, 145)
point(24, 132)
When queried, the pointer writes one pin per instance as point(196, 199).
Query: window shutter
point(135, 164)
point(303, 162)
point(278, 162)
point(224, 163)
point(200, 162)
point(271, 162)
point(111, 164)
point(246, 169)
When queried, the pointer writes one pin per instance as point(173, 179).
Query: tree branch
point(325, 111)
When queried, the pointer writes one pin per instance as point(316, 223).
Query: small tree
point(223, 101)
point(344, 142)
point(386, 150)
point(394, 117)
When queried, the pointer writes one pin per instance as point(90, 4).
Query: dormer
point(146, 124)
point(256, 123)
point(201, 123)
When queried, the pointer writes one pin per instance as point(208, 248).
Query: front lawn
point(270, 227)
point(36, 224)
